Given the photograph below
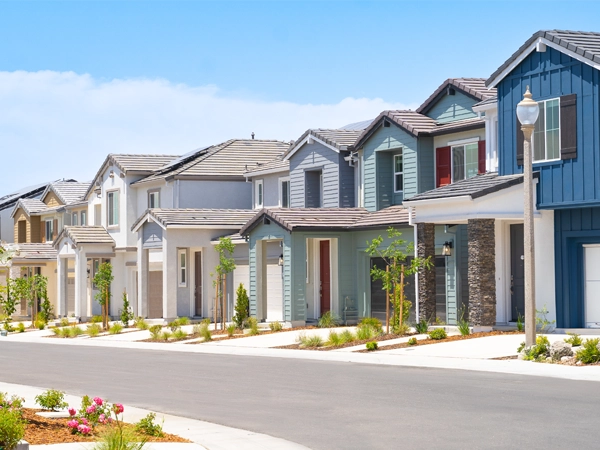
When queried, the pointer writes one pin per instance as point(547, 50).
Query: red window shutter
point(481, 156)
point(442, 166)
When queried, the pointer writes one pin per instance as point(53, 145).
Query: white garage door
point(592, 286)
point(241, 274)
point(274, 293)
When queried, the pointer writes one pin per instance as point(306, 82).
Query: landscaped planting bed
point(380, 338)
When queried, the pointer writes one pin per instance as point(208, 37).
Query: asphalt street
point(324, 405)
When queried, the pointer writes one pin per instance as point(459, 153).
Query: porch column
point(425, 249)
point(80, 283)
point(482, 272)
point(61, 286)
point(142, 278)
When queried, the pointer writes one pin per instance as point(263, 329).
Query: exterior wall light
point(447, 248)
point(280, 262)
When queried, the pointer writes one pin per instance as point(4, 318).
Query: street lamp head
point(527, 109)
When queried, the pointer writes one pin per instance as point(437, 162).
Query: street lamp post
point(527, 113)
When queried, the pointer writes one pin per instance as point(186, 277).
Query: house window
point(74, 219)
point(398, 173)
point(83, 218)
point(182, 259)
point(49, 230)
point(258, 194)
point(112, 208)
point(153, 199)
point(465, 161)
point(284, 192)
point(546, 134)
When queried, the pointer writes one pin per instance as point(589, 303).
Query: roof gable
point(473, 88)
point(334, 139)
point(67, 191)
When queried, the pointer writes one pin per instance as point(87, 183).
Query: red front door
point(325, 276)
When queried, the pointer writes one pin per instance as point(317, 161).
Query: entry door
point(155, 293)
point(592, 286)
point(517, 270)
point(198, 283)
point(325, 277)
point(378, 296)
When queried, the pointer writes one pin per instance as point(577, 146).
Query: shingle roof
point(34, 251)
point(197, 217)
point(585, 44)
point(277, 165)
point(69, 191)
point(340, 139)
point(475, 187)
point(328, 218)
point(30, 206)
point(228, 159)
point(473, 87)
point(85, 235)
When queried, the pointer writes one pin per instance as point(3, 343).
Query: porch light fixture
point(527, 113)
point(112, 174)
point(447, 248)
point(280, 262)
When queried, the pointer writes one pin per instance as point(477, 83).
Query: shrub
point(401, 329)
point(40, 325)
point(183, 321)
point(463, 327)
point(242, 306)
point(12, 428)
point(119, 438)
point(21, 327)
point(155, 331)
point(347, 336)
point(126, 312)
point(372, 322)
point(96, 319)
point(371, 346)
point(140, 324)
point(335, 339)
point(276, 326)
point(174, 325)
point(165, 335)
point(64, 322)
point(309, 341)
point(422, 326)
point(57, 331)
point(115, 328)
point(93, 330)
point(253, 325)
point(52, 400)
point(537, 351)
point(148, 427)
point(365, 332)
point(574, 339)
point(589, 352)
point(205, 332)
point(437, 334)
point(412, 341)
point(328, 320)
point(520, 322)
point(179, 334)
point(72, 332)
point(542, 324)
point(231, 329)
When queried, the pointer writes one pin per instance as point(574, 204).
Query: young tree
point(226, 265)
point(103, 280)
point(393, 276)
point(39, 290)
point(126, 312)
point(8, 302)
point(242, 306)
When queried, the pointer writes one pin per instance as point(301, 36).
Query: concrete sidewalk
point(204, 435)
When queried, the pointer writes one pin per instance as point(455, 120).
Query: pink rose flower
point(84, 429)
point(102, 418)
point(84, 421)
point(118, 408)
point(73, 423)
point(72, 411)
point(98, 401)
point(91, 409)
point(109, 420)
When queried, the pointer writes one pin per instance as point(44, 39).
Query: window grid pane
point(552, 130)
point(458, 163)
point(471, 160)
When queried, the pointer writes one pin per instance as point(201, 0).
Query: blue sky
point(303, 64)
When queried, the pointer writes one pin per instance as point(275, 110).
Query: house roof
point(30, 206)
point(581, 45)
point(472, 87)
point(358, 126)
point(85, 235)
point(34, 251)
point(8, 200)
point(201, 218)
point(417, 125)
point(336, 139)
point(68, 192)
point(235, 238)
point(328, 218)
point(228, 159)
point(490, 101)
point(475, 187)
point(275, 166)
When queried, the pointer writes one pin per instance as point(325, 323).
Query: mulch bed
point(383, 337)
point(42, 430)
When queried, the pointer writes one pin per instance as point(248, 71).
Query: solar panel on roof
point(357, 126)
point(183, 158)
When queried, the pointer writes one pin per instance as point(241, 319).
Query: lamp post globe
point(527, 110)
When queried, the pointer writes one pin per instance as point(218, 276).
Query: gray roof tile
point(198, 217)
point(277, 165)
point(34, 251)
point(69, 191)
point(473, 87)
point(85, 235)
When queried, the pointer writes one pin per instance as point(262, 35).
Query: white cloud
point(61, 124)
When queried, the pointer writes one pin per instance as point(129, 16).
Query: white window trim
point(75, 218)
point(546, 139)
point(398, 173)
point(152, 192)
point(258, 183)
point(108, 224)
point(49, 238)
point(464, 143)
point(182, 269)
point(82, 215)
point(281, 181)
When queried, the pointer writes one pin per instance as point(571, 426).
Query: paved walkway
point(204, 435)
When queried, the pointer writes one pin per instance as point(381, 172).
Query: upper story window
point(313, 189)
point(83, 218)
point(112, 208)
point(398, 173)
point(284, 192)
point(74, 219)
point(153, 199)
point(465, 161)
point(546, 134)
point(49, 230)
point(258, 194)
point(182, 260)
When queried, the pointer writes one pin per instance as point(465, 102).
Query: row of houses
point(448, 175)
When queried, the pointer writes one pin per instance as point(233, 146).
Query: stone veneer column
point(482, 272)
point(426, 248)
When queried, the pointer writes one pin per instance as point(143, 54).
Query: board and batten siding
point(451, 108)
point(551, 74)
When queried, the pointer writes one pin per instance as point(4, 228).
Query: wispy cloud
point(62, 124)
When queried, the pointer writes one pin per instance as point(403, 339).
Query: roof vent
point(266, 221)
point(252, 135)
point(386, 124)
point(451, 91)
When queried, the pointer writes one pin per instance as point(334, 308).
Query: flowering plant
point(91, 413)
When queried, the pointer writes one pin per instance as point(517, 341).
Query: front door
point(325, 277)
point(198, 283)
point(155, 294)
point(517, 270)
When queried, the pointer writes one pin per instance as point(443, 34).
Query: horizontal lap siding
point(568, 183)
point(346, 183)
point(426, 164)
point(453, 107)
point(314, 157)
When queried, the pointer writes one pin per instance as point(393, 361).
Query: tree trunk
point(224, 300)
point(387, 303)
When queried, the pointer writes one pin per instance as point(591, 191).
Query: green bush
point(589, 352)
point(174, 325)
point(93, 330)
point(12, 428)
point(165, 335)
point(253, 326)
point(276, 326)
point(205, 332)
point(371, 346)
point(115, 328)
point(328, 320)
point(95, 319)
point(40, 325)
point(179, 334)
point(309, 341)
point(231, 329)
point(422, 326)
point(52, 400)
point(155, 331)
point(140, 323)
point(64, 322)
point(347, 336)
point(21, 327)
point(401, 329)
point(463, 327)
point(535, 352)
point(437, 334)
point(242, 306)
point(412, 341)
point(183, 321)
point(119, 438)
point(365, 332)
point(72, 332)
point(574, 339)
point(336, 339)
point(126, 312)
point(520, 322)
point(372, 322)
point(148, 427)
